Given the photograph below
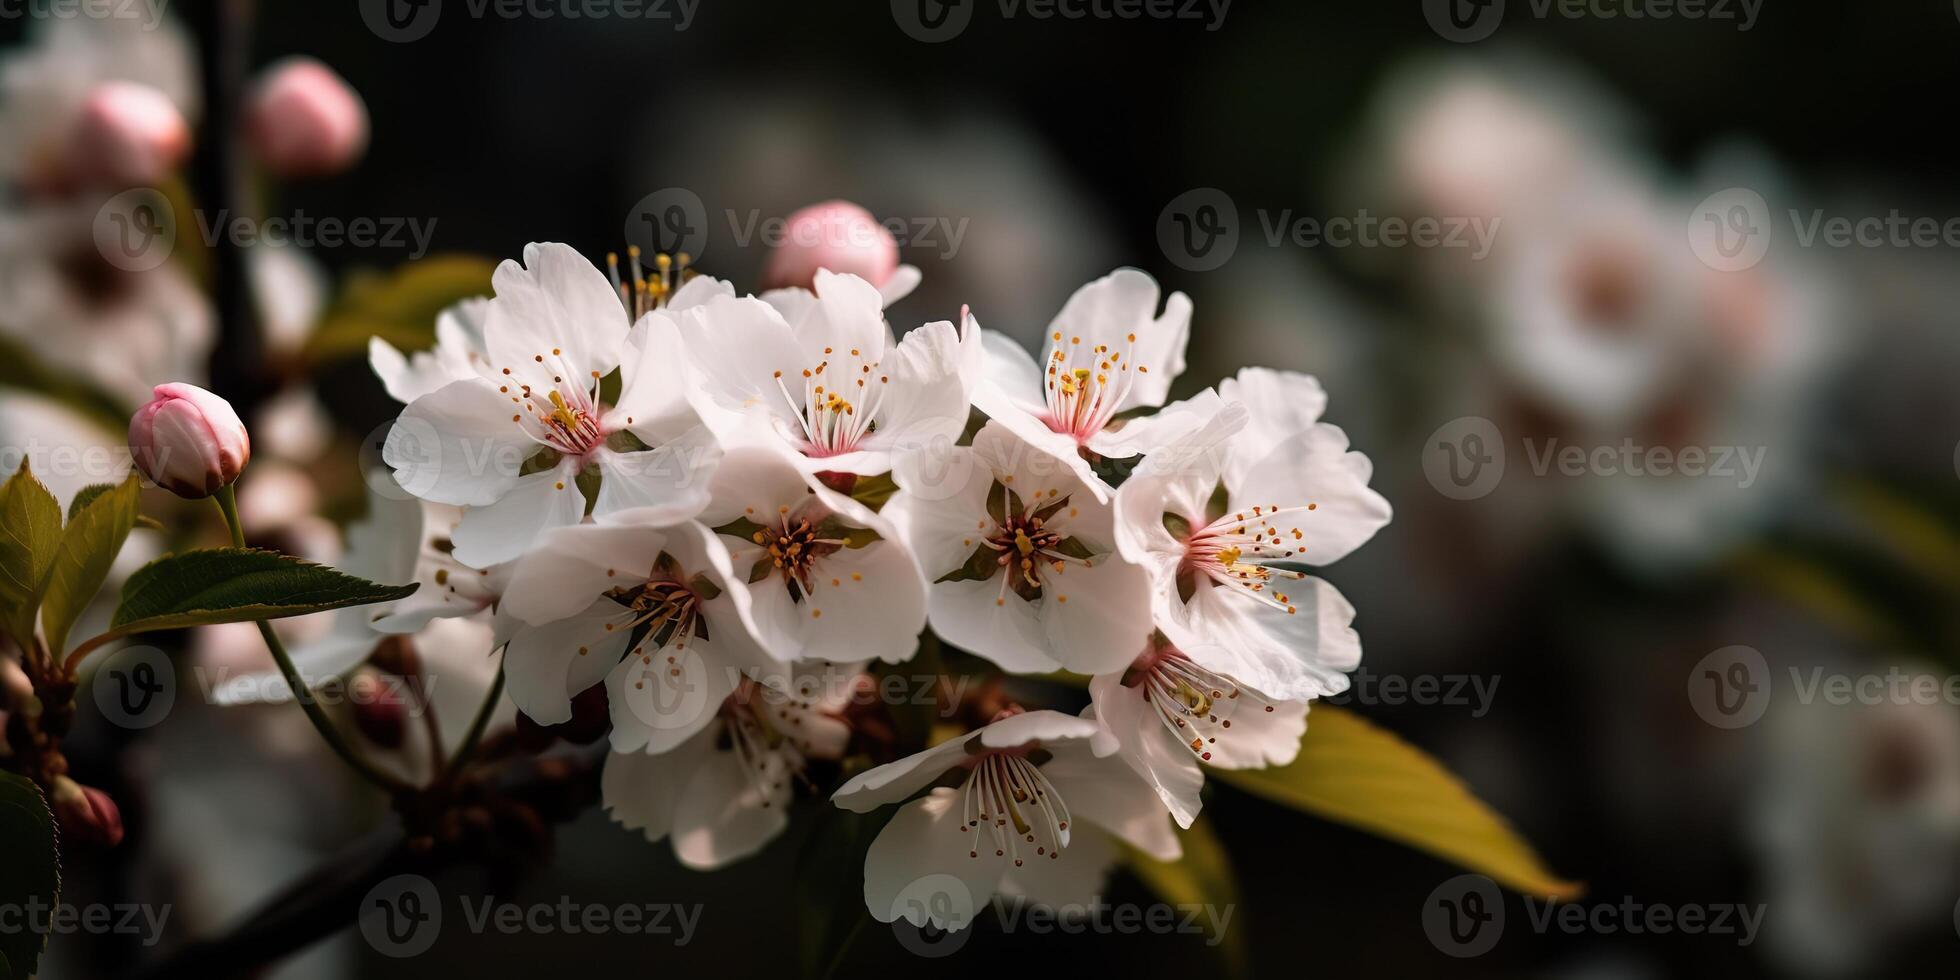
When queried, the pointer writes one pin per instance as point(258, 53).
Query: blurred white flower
point(45, 87)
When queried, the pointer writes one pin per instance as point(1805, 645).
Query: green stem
point(479, 724)
point(228, 504)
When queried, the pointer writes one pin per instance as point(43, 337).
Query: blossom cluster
point(721, 509)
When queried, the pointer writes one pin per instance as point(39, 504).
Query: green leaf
point(399, 307)
point(85, 495)
point(30, 872)
point(233, 585)
point(1352, 772)
point(20, 368)
point(874, 491)
point(1203, 876)
point(828, 889)
point(94, 536)
point(30, 532)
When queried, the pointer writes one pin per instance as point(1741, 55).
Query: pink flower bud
point(87, 814)
point(834, 235)
point(189, 441)
point(379, 711)
point(129, 134)
point(306, 121)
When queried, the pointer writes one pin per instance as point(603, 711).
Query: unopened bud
point(834, 235)
point(189, 441)
point(129, 134)
point(306, 121)
point(86, 814)
point(379, 711)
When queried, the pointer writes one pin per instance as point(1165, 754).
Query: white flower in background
point(81, 316)
point(1223, 518)
point(656, 613)
point(511, 442)
point(1035, 788)
point(1170, 713)
point(828, 579)
point(819, 373)
point(1856, 823)
point(724, 793)
point(1021, 556)
point(1108, 352)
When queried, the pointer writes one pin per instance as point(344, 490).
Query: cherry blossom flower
point(658, 614)
point(1107, 353)
point(1170, 713)
point(1029, 783)
point(724, 793)
point(512, 442)
point(819, 373)
point(1225, 518)
point(1021, 556)
point(828, 579)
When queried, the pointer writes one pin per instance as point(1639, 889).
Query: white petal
point(1286, 657)
point(660, 486)
point(1313, 467)
point(1070, 882)
point(1122, 303)
point(1278, 404)
point(458, 445)
point(659, 698)
point(983, 619)
point(1106, 792)
point(652, 384)
point(728, 811)
point(640, 791)
point(919, 868)
point(904, 279)
point(503, 531)
point(1150, 751)
point(1096, 618)
point(926, 401)
point(573, 565)
point(546, 665)
point(556, 301)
